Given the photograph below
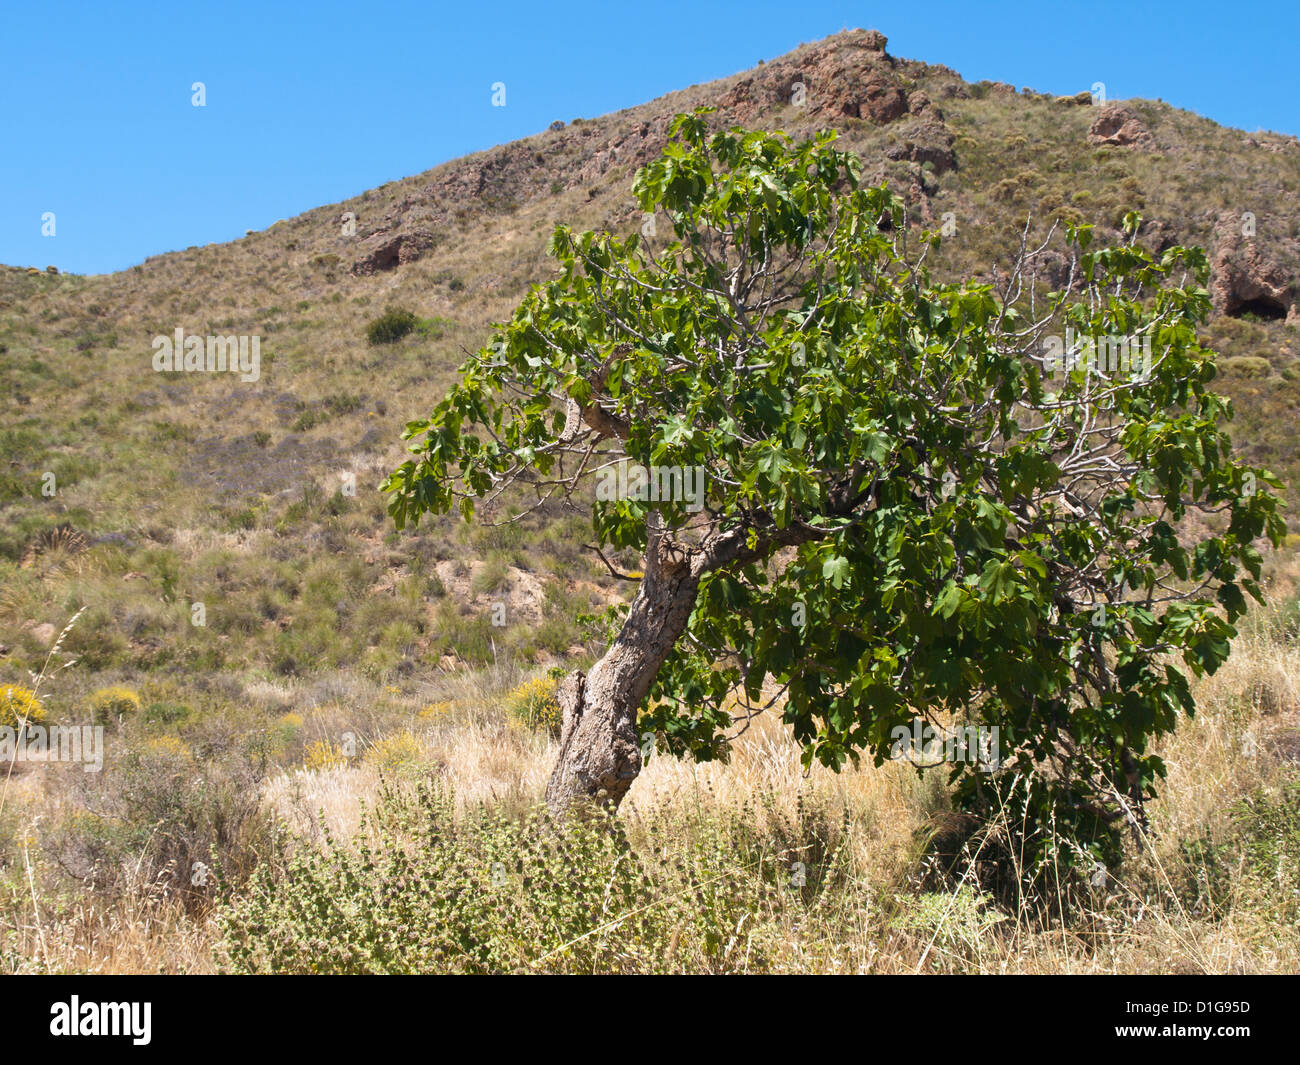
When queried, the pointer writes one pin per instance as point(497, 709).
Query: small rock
point(919, 101)
point(873, 40)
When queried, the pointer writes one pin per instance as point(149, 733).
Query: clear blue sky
point(311, 103)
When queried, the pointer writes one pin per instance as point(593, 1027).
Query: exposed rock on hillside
point(1119, 125)
point(857, 81)
point(1248, 276)
point(390, 248)
point(849, 77)
point(926, 141)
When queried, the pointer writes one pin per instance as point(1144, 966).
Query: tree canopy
point(920, 499)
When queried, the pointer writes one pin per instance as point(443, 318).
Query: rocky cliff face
point(1253, 274)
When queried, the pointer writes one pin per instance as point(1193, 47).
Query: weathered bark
point(600, 751)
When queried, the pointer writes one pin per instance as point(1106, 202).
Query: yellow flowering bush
point(19, 705)
point(394, 753)
point(533, 704)
point(109, 704)
point(434, 711)
point(169, 747)
point(323, 755)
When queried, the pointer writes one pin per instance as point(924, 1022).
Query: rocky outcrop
point(926, 141)
point(854, 79)
point(1118, 125)
point(391, 248)
point(632, 146)
point(1247, 272)
point(520, 594)
point(920, 104)
point(876, 98)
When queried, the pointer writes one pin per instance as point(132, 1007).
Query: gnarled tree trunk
point(600, 751)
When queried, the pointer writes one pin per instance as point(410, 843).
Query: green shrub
point(470, 637)
point(1202, 876)
point(954, 926)
point(492, 577)
point(423, 888)
point(391, 326)
point(343, 403)
point(1246, 366)
point(96, 641)
point(166, 713)
point(308, 420)
point(155, 815)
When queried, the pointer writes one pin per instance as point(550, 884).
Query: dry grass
point(1142, 922)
